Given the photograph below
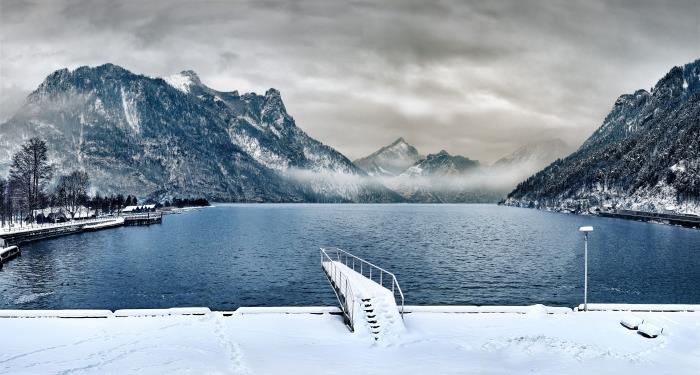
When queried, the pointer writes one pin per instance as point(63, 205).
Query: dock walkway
point(33, 232)
point(691, 221)
point(365, 293)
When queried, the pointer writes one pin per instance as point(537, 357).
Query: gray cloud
point(474, 78)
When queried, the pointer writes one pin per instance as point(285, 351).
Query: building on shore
point(139, 209)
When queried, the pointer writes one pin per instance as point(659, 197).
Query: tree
point(30, 171)
point(96, 203)
point(3, 199)
point(16, 201)
point(119, 202)
point(72, 191)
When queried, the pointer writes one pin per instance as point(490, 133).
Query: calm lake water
point(267, 255)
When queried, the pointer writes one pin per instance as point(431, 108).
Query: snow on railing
point(365, 268)
point(144, 215)
point(346, 298)
point(35, 226)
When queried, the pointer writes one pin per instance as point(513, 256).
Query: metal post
point(585, 231)
point(585, 271)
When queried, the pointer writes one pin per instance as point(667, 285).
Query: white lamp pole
point(585, 231)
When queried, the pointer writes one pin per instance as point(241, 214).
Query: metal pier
point(368, 294)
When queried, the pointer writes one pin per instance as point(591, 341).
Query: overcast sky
point(475, 78)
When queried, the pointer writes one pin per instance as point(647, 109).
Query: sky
point(476, 78)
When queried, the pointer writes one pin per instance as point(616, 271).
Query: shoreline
point(408, 309)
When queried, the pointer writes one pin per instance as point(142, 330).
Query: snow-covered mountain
point(443, 178)
point(390, 160)
point(645, 155)
point(175, 136)
point(441, 164)
point(536, 154)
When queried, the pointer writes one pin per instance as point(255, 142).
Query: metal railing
point(340, 282)
point(143, 215)
point(28, 227)
point(19, 227)
point(365, 268)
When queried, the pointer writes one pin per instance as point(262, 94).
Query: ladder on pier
point(367, 294)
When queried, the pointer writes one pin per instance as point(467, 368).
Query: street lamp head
point(585, 229)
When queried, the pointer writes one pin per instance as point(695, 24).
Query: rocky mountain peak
point(272, 93)
point(442, 164)
point(390, 160)
point(183, 81)
point(192, 75)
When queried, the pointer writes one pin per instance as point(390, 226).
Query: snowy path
point(266, 341)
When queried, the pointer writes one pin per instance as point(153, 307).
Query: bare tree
point(30, 171)
point(3, 201)
point(16, 202)
point(72, 191)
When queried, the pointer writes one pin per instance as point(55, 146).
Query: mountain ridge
point(148, 136)
point(644, 156)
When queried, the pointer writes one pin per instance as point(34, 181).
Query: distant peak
point(443, 153)
point(183, 80)
point(272, 92)
point(273, 99)
point(192, 76)
point(108, 66)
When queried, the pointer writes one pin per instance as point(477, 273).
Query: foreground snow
point(269, 341)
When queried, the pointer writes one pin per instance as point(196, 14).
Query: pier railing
point(369, 270)
point(30, 227)
point(16, 228)
point(341, 287)
point(144, 215)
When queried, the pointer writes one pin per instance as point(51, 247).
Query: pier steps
point(368, 307)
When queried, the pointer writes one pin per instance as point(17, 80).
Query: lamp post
point(585, 231)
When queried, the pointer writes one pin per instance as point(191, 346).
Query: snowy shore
point(437, 340)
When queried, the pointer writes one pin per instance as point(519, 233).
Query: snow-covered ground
point(270, 341)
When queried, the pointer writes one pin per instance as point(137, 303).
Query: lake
point(236, 255)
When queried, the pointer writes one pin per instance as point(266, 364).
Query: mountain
point(175, 136)
point(536, 154)
point(442, 164)
point(390, 160)
point(645, 155)
point(443, 178)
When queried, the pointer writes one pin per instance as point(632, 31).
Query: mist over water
point(494, 182)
